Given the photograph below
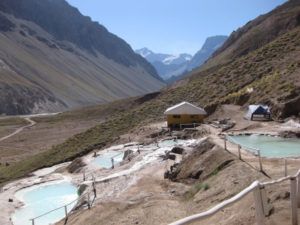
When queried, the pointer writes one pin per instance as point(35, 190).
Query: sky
point(172, 26)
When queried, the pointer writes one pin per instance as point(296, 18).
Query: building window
point(194, 116)
point(176, 116)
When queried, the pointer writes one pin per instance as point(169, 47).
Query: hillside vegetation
point(266, 75)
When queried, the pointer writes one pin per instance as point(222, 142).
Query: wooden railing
point(260, 201)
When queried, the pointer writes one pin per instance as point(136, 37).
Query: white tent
point(257, 110)
point(185, 108)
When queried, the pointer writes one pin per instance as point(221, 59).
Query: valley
point(136, 187)
point(104, 133)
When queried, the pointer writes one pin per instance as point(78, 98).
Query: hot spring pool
point(167, 143)
point(270, 146)
point(104, 160)
point(39, 200)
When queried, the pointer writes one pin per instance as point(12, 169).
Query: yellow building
point(184, 113)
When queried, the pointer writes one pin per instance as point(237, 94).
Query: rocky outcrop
point(205, 160)
point(76, 165)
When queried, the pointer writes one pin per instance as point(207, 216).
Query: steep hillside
point(268, 75)
point(210, 45)
point(175, 67)
point(52, 58)
point(252, 36)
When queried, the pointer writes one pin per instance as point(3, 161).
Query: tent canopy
point(185, 108)
point(257, 110)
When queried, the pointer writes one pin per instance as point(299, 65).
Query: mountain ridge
point(174, 67)
point(41, 73)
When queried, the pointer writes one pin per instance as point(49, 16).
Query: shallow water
point(39, 200)
point(104, 160)
point(172, 142)
point(270, 146)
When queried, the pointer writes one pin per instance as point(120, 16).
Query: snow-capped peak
point(144, 52)
point(170, 59)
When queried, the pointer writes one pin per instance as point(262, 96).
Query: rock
point(285, 195)
point(128, 155)
point(10, 200)
point(76, 165)
point(81, 189)
point(166, 174)
point(177, 150)
point(290, 134)
point(171, 156)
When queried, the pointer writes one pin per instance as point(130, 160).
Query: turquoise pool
point(270, 146)
point(39, 200)
point(104, 160)
point(167, 143)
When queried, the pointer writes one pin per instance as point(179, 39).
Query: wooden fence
point(89, 203)
point(260, 201)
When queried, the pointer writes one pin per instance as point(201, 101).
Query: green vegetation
point(195, 189)
point(270, 80)
point(12, 121)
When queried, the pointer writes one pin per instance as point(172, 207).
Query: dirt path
point(32, 123)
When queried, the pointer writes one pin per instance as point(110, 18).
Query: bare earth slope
point(53, 58)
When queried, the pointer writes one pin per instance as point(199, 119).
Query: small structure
point(258, 112)
point(184, 113)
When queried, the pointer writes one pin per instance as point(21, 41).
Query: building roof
point(185, 108)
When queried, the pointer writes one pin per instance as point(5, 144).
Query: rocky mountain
point(175, 67)
point(210, 45)
point(245, 70)
point(166, 65)
point(252, 36)
point(53, 58)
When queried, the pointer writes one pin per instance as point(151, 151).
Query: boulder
point(128, 155)
point(76, 165)
point(177, 150)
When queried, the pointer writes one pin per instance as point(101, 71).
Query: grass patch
point(13, 121)
point(195, 189)
point(221, 84)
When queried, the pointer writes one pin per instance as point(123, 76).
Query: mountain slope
point(166, 65)
point(269, 75)
point(175, 67)
point(253, 35)
point(210, 45)
point(53, 58)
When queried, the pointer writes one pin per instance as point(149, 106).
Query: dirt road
point(32, 123)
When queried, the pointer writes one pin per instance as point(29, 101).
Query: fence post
point(225, 145)
point(32, 220)
point(298, 192)
point(259, 212)
point(239, 150)
point(66, 212)
point(112, 163)
point(84, 175)
point(89, 199)
point(285, 167)
point(260, 162)
point(264, 200)
point(294, 201)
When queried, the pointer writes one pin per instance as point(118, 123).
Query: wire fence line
point(89, 203)
point(256, 150)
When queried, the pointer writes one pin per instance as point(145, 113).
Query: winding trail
point(32, 123)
